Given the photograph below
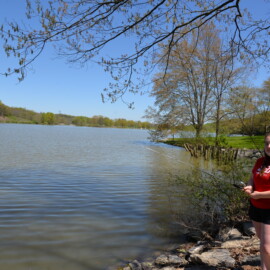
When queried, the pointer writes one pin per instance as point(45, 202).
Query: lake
point(83, 198)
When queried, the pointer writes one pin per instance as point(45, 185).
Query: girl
point(258, 189)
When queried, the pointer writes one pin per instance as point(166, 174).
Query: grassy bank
point(247, 142)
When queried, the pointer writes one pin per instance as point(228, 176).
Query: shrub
point(204, 202)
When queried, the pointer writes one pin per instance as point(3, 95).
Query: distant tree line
point(21, 115)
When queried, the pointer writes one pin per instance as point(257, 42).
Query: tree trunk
point(217, 123)
point(198, 129)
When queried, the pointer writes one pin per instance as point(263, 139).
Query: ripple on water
point(79, 198)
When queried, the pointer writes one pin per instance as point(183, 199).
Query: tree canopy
point(81, 29)
point(198, 76)
point(252, 107)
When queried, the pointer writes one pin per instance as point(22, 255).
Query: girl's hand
point(248, 189)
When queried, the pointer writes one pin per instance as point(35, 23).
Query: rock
point(255, 242)
point(175, 260)
point(117, 267)
point(248, 153)
point(235, 250)
point(252, 260)
point(216, 258)
point(161, 260)
point(248, 267)
point(168, 268)
point(257, 154)
point(234, 234)
point(248, 228)
point(147, 266)
point(200, 267)
point(135, 265)
point(235, 243)
point(169, 260)
point(228, 233)
point(196, 249)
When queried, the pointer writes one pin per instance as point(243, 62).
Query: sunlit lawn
point(251, 142)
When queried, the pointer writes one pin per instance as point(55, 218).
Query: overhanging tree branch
point(82, 29)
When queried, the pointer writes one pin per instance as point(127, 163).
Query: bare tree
point(225, 76)
point(196, 79)
point(80, 29)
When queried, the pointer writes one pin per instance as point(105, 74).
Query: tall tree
point(196, 78)
point(80, 29)
point(225, 76)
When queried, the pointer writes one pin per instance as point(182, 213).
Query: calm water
point(82, 198)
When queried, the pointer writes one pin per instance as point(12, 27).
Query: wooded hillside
point(21, 115)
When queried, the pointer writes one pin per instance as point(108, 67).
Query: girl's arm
point(260, 195)
point(255, 194)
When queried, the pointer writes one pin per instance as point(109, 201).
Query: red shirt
point(261, 183)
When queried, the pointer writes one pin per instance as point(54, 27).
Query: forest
point(24, 116)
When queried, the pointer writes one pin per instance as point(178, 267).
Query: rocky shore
point(249, 153)
point(231, 249)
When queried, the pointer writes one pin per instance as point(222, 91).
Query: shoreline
point(231, 249)
point(216, 152)
point(71, 125)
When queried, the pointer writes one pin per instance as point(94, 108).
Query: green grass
point(252, 142)
point(247, 142)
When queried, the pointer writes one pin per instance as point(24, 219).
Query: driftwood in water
point(223, 155)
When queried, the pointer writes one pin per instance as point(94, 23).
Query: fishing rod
point(239, 185)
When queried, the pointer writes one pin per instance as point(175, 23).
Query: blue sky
point(55, 86)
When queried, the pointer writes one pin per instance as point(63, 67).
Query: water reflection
point(83, 198)
point(167, 204)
